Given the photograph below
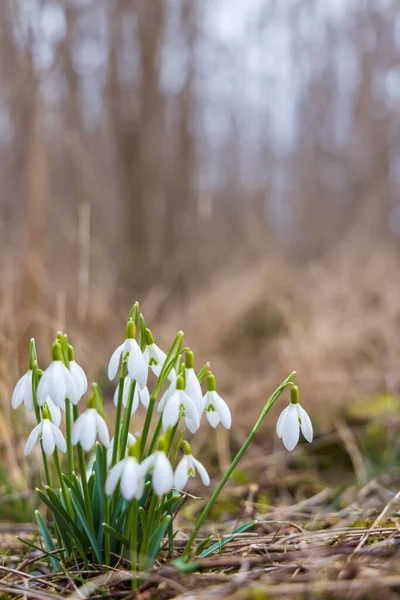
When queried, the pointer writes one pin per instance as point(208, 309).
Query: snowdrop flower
point(130, 473)
point(180, 405)
point(131, 440)
point(142, 395)
point(291, 420)
point(88, 425)
point(193, 388)
point(137, 366)
point(78, 374)
point(57, 382)
point(55, 411)
point(23, 392)
point(215, 407)
point(187, 468)
point(166, 396)
point(51, 436)
point(162, 473)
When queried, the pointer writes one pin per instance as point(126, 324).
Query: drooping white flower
point(291, 420)
point(51, 437)
point(130, 474)
point(55, 412)
point(23, 392)
point(155, 357)
point(162, 473)
point(193, 388)
point(187, 468)
point(78, 374)
point(57, 382)
point(139, 394)
point(216, 408)
point(166, 395)
point(131, 440)
point(88, 426)
point(180, 405)
point(137, 366)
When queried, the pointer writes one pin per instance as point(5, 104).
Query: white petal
point(280, 422)
point(202, 471)
point(28, 394)
point(43, 389)
point(291, 428)
point(223, 410)
point(170, 414)
point(160, 356)
point(102, 430)
point(114, 362)
point(56, 382)
point(190, 409)
point(193, 389)
point(48, 442)
point(71, 389)
point(88, 433)
point(113, 477)
point(166, 395)
point(162, 475)
point(116, 395)
point(79, 377)
point(55, 412)
point(181, 474)
point(135, 401)
point(137, 367)
point(213, 418)
point(306, 425)
point(32, 439)
point(129, 478)
point(19, 391)
point(144, 396)
point(58, 438)
point(76, 430)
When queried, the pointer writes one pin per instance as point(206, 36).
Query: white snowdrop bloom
point(88, 426)
point(155, 357)
point(128, 471)
point(50, 435)
point(216, 408)
point(180, 405)
point(78, 374)
point(166, 395)
point(23, 392)
point(57, 382)
point(192, 387)
point(131, 440)
point(291, 420)
point(137, 366)
point(139, 394)
point(162, 474)
point(187, 468)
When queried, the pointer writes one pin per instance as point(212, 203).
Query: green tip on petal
point(186, 448)
point(130, 332)
point(211, 383)
point(180, 384)
point(71, 353)
point(149, 338)
point(294, 394)
point(161, 444)
point(189, 360)
point(92, 402)
point(45, 413)
point(56, 351)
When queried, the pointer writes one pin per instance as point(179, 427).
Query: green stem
point(118, 413)
point(207, 508)
point(64, 488)
point(156, 435)
point(134, 520)
point(146, 425)
point(82, 469)
point(70, 450)
point(126, 420)
point(46, 466)
point(107, 552)
point(147, 536)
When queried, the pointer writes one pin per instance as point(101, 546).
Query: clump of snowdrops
point(118, 497)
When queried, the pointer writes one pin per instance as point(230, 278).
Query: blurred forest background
point(233, 165)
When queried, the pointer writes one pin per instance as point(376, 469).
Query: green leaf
point(203, 372)
point(203, 545)
point(184, 566)
point(98, 493)
point(226, 539)
point(157, 538)
point(48, 542)
point(172, 356)
point(143, 518)
point(88, 530)
point(142, 333)
point(134, 312)
point(74, 485)
point(116, 534)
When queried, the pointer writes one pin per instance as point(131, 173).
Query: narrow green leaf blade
point(226, 539)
